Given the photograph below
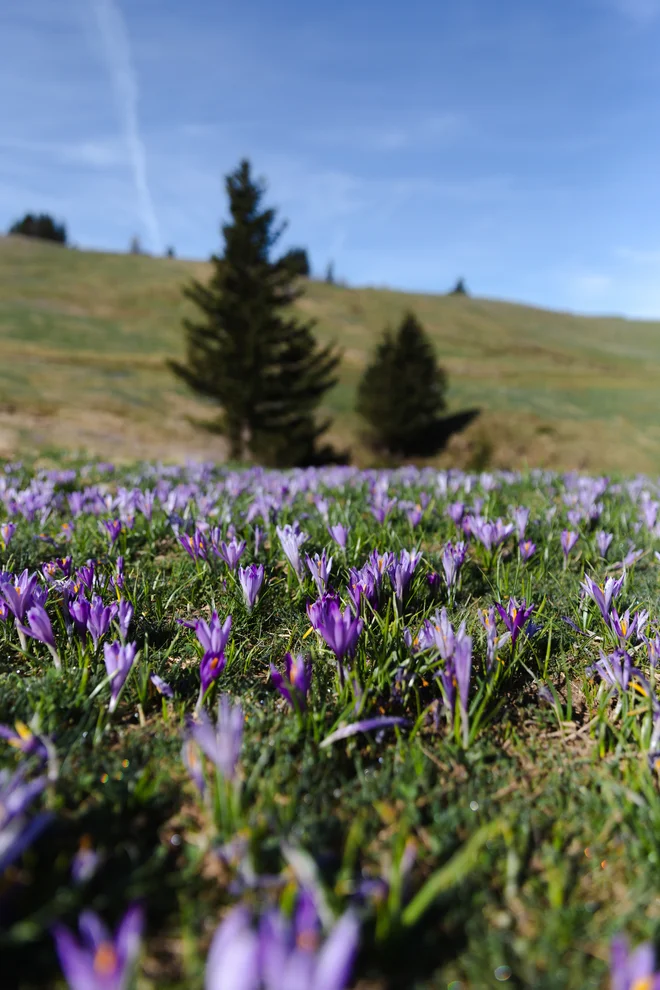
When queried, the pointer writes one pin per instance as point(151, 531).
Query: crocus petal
point(75, 961)
point(366, 725)
point(129, 934)
point(232, 962)
point(336, 958)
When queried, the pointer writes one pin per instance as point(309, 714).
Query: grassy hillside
point(85, 337)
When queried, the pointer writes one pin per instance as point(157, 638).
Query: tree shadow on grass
point(436, 439)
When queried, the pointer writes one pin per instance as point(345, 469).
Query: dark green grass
point(575, 856)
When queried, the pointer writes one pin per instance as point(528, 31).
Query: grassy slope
point(86, 332)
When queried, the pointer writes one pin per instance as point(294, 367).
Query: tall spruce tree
point(402, 392)
point(263, 367)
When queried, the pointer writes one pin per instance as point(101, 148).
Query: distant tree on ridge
point(42, 226)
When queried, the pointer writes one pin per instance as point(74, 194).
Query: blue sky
point(516, 144)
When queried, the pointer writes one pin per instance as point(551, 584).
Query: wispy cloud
point(117, 47)
point(639, 11)
point(637, 257)
point(590, 285)
point(370, 136)
point(98, 153)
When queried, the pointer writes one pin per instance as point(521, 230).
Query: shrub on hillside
point(42, 226)
point(402, 392)
point(298, 262)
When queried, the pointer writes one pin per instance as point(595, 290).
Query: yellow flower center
point(307, 941)
point(105, 960)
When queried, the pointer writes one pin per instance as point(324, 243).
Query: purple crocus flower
point(117, 581)
point(124, 616)
point(653, 649)
point(317, 611)
point(50, 571)
point(622, 626)
point(79, 611)
point(100, 961)
point(212, 636)
point(291, 539)
point(633, 970)
point(118, 662)
point(602, 594)
point(161, 686)
point(632, 557)
point(113, 529)
point(23, 738)
point(453, 558)
point(340, 630)
point(520, 519)
point(195, 545)
point(251, 578)
point(222, 742)
point(603, 541)
point(514, 616)
point(526, 549)
point(281, 954)
point(568, 540)
point(85, 576)
point(487, 620)
point(339, 534)
point(231, 553)
point(462, 668)
point(362, 584)
point(100, 617)
point(489, 534)
point(7, 530)
point(381, 508)
point(41, 629)
point(17, 832)
point(319, 568)
point(615, 669)
point(85, 862)
point(20, 594)
point(401, 571)
point(211, 666)
point(295, 684)
point(456, 512)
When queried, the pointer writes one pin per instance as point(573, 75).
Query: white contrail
point(118, 53)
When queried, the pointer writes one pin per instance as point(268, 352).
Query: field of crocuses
point(329, 728)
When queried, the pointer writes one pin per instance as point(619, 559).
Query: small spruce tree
point(402, 391)
point(459, 289)
point(247, 352)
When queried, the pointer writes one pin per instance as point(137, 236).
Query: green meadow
point(86, 336)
